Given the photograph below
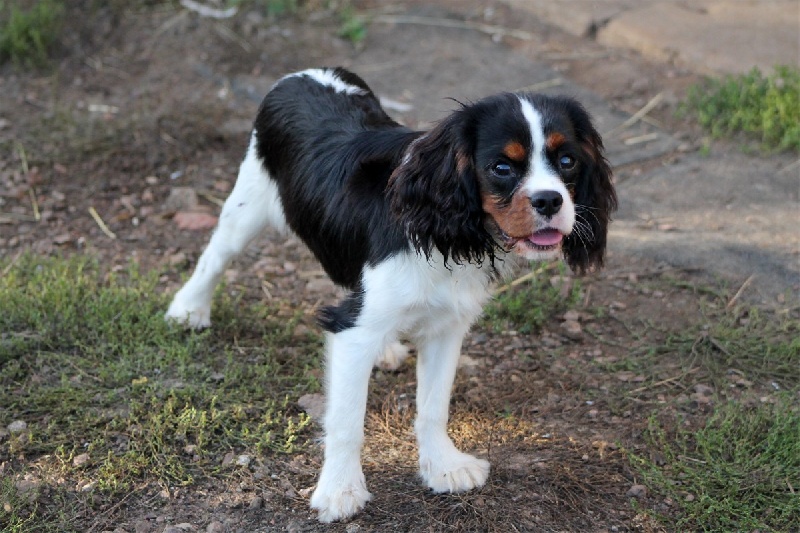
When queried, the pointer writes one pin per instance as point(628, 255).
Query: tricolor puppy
point(417, 225)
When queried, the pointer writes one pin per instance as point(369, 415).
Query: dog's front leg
point(341, 490)
point(442, 466)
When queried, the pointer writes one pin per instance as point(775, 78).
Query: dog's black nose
point(547, 203)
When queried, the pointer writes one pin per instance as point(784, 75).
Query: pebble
point(80, 460)
point(215, 527)
point(256, 503)
point(17, 426)
point(243, 460)
point(637, 491)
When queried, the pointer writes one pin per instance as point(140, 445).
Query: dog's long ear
point(434, 194)
point(595, 198)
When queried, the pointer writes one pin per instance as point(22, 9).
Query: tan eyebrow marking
point(514, 151)
point(554, 140)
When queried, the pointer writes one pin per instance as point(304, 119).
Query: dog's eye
point(566, 162)
point(502, 170)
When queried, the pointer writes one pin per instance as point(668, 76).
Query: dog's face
point(520, 172)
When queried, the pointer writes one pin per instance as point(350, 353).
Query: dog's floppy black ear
point(595, 199)
point(434, 193)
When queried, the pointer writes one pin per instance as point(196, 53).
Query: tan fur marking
point(554, 140)
point(514, 151)
point(462, 162)
point(515, 219)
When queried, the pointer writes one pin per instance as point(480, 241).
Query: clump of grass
point(767, 107)
point(527, 306)
point(27, 35)
point(740, 472)
point(89, 364)
point(353, 26)
point(758, 345)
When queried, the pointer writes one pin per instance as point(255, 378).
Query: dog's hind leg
point(254, 204)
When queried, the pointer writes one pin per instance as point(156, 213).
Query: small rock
point(572, 316)
point(142, 526)
point(243, 460)
point(228, 459)
point(572, 329)
point(352, 528)
point(181, 199)
point(313, 405)
point(689, 497)
point(193, 221)
point(80, 460)
point(17, 426)
point(215, 527)
point(89, 486)
point(637, 491)
point(256, 503)
point(705, 390)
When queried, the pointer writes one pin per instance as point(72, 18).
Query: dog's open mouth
point(544, 240)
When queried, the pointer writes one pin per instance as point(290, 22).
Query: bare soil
point(149, 99)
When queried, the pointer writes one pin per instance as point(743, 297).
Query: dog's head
point(521, 172)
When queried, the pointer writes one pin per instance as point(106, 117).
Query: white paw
point(339, 500)
point(193, 317)
point(457, 472)
point(393, 357)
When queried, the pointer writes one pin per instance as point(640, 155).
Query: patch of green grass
point(89, 364)
point(767, 107)
point(757, 345)
point(740, 472)
point(353, 26)
point(28, 34)
point(526, 306)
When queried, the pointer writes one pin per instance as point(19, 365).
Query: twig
point(639, 139)
point(664, 381)
point(19, 216)
point(555, 82)
point(211, 198)
point(210, 12)
point(520, 280)
point(34, 204)
point(747, 282)
point(230, 35)
point(636, 117)
point(448, 23)
point(10, 265)
point(110, 234)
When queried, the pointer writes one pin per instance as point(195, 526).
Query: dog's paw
point(334, 501)
point(393, 356)
point(457, 472)
point(193, 317)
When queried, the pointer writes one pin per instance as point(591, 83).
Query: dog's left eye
point(566, 162)
point(502, 170)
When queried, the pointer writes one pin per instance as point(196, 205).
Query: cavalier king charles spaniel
point(417, 226)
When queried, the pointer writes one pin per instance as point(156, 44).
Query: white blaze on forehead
point(541, 175)
point(329, 79)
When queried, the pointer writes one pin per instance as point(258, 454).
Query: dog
point(417, 226)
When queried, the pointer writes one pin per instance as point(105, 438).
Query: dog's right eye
point(502, 170)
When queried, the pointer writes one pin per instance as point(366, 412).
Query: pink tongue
point(546, 237)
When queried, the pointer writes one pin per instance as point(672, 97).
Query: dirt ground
point(146, 118)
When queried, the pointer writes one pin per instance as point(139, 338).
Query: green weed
point(740, 472)
point(353, 26)
point(27, 35)
point(754, 344)
point(527, 306)
point(767, 107)
point(88, 363)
